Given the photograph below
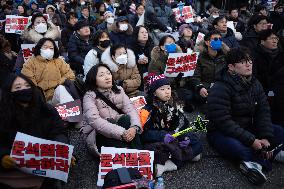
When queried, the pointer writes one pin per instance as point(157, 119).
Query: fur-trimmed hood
point(106, 59)
point(114, 28)
point(31, 36)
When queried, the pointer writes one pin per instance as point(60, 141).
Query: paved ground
point(211, 172)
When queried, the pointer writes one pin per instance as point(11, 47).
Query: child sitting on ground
point(160, 118)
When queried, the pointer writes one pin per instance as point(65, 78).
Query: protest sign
point(28, 49)
point(187, 14)
point(199, 38)
point(113, 158)
point(70, 111)
point(15, 24)
point(138, 102)
point(181, 63)
point(230, 24)
point(42, 157)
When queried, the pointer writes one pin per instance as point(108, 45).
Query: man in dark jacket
point(240, 126)
point(69, 29)
point(277, 17)
point(80, 43)
point(234, 16)
point(228, 35)
point(209, 63)
point(269, 70)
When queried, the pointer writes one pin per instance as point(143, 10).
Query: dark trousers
point(123, 121)
point(233, 149)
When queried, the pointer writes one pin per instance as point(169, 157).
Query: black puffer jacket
point(66, 34)
point(239, 109)
point(250, 40)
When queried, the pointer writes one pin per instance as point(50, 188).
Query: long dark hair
point(136, 32)
point(91, 81)
point(40, 44)
point(10, 109)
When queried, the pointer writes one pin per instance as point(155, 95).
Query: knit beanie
point(156, 81)
point(181, 29)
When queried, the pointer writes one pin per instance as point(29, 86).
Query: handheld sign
point(70, 111)
point(113, 158)
point(138, 102)
point(186, 15)
point(15, 24)
point(42, 157)
point(181, 63)
point(199, 38)
point(198, 125)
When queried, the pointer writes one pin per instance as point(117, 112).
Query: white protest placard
point(187, 14)
point(15, 24)
point(181, 63)
point(42, 157)
point(113, 158)
point(28, 49)
point(138, 102)
point(230, 24)
point(199, 38)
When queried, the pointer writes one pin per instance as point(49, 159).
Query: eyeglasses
point(273, 38)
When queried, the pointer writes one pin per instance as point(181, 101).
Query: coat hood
point(106, 59)
point(33, 36)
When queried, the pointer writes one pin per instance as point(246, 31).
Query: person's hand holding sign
point(203, 92)
point(129, 134)
point(8, 163)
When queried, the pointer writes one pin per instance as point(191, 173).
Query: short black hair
point(138, 5)
point(164, 38)
point(216, 20)
point(91, 81)
point(71, 14)
point(36, 15)
point(115, 47)
point(233, 8)
point(84, 7)
point(264, 34)
point(255, 19)
point(98, 35)
point(236, 55)
point(209, 34)
point(259, 7)
point(41, 42)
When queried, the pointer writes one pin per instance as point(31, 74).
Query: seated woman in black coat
point(23, 109)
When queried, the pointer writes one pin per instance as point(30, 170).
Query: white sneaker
point(197, 158)
point(160, 169)
point(253, 172)
point(280, 157)
point(170, 166)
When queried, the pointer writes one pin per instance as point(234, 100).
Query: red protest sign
point(187, 14)
point(42, 157)
point(15, 24)
point(70, 111)
point(181, 63)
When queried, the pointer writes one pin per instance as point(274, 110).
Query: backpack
point(121, 176)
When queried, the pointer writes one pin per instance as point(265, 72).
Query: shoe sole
point(253, 175)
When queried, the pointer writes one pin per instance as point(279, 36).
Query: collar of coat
point(32, 36)
point(106, 59)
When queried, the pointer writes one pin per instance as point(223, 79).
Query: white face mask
point(47, 53)
point(122, 59)
point(215, 16)
point(110, 20)
point(41, 28)
point(123, 27)
point(83, 3)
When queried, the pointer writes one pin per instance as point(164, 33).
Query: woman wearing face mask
point(49, 72)
point(38, 29)
point(121, 32)
point(160, 54)
point(100, 11)
point(112, 124)
point(101, 42)
point(122, 64)
point(22, 109)
point(107, 23)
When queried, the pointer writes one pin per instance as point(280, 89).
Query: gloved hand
point(168, 138)
point(118, 82)
point(184, 143)
point(7, 162)
point(238, 36)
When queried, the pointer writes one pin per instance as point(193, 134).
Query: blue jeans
point(232, 148)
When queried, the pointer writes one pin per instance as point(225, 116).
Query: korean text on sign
point(42, 157)
point(70, 111)
point(113, 158)
point(15, 24)
point(181, 63)
point(187, 14)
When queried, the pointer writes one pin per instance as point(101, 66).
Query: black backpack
point(121, 176)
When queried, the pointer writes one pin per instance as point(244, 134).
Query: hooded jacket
point(239, 109)
point(121, 37)
point(128, 73)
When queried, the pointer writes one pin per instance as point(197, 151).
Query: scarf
point(271, 52)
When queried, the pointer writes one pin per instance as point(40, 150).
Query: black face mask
point(105, 43)
point(23, 96)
